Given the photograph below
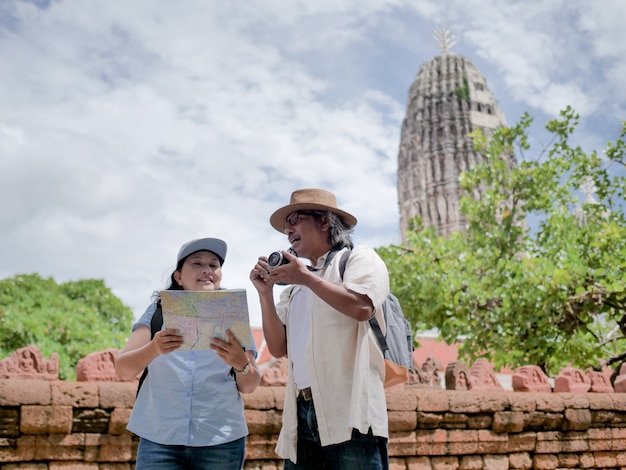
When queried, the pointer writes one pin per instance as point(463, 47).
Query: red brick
point(508, 421)
point(263, 398)
point(524, 441)
point(76, 394)
point(430, 401)
point(605, 459)
point(60, 447)
point(620, 458)
point(35, 419)
point(520, 460)
point(471, 462)
point(117, 394)
point(402, 420)
point(279, 397)
point(568, 460)
point(525, 402)
point(492, 443)
point(575, 400)
point(549, 402)
point(577, 420)
point(113, 449)
point(462, 442)
point(545, 462)
point(445, 463)
point(119, 421)
point(601, 401)
point(20, 450)
point(419, 463)
point(619, 401)
point(263, 422)
point(465, 401)
point(261, 447)
point(403, 399)
point(496, 462)
point(73, 466)
point(404, 444)
point(587, 460)
point(398, 464)
point(15, 392)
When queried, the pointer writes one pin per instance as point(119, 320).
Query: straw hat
point(310, 199)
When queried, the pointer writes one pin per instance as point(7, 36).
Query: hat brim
point(278, 218)
point(214, 245)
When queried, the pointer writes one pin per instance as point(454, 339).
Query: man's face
point(307, 234)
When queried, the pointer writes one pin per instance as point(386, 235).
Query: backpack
point(155, 326)
point(397, 343)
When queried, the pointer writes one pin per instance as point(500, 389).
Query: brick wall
point(81, 425)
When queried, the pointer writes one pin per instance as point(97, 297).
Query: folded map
point(202, 315)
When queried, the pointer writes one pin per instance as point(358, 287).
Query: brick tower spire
point(448, 99)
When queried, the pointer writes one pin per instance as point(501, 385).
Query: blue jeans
point(151, 455)
point(361, 452)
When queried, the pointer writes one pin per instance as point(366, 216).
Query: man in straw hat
point(335, 412)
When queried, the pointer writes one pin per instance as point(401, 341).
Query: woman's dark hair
point(173, 285)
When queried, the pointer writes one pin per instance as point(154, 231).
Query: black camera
point(277, 258)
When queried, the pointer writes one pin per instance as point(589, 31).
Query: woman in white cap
point(189, 412)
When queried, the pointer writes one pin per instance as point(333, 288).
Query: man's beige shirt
point(345, 363)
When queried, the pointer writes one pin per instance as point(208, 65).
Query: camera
point(276, 258)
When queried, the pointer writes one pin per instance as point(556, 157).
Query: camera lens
point(276, 259)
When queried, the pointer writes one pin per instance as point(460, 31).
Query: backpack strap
point(155, 326)
point(378, 332)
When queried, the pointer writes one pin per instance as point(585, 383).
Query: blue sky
point(128, 128)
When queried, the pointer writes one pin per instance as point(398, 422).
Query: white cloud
point(127, 130)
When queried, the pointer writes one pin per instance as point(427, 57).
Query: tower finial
point(444, 37)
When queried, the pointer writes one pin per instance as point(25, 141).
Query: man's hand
point(260, 276)
point(293, 272)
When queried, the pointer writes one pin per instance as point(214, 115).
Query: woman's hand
point(167, 340)
point(231, 352)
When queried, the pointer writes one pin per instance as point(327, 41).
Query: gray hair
point(340, 233)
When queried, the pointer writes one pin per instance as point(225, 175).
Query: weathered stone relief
point(28, 363)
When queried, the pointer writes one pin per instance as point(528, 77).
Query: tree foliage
point(72, 319)
point(550, 295)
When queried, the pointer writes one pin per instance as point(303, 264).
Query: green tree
point(72, 319)
point(551, 296)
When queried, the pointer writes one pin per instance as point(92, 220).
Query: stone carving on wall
point(573, 380)
point(427, 375)
point(276, 373)
point(483, 376)
point(600, 383)
point(430, 369)
point(417, 377)
point(28, 363)
point(530, 379)
point(458, 377)
point(99, 367)
point(620, 381)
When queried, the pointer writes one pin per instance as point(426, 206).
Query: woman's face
point(200, 271)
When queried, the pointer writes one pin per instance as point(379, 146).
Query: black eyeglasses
point(294, 217)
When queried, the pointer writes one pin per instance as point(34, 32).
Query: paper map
point(202, 315)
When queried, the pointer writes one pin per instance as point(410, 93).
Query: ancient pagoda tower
point(448, 99)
